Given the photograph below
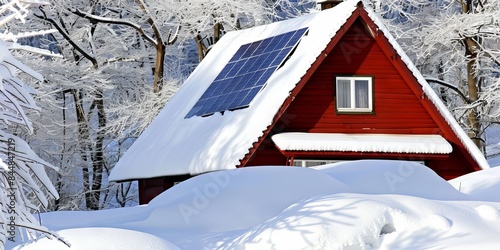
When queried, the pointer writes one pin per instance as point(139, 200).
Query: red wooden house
point(330, 86)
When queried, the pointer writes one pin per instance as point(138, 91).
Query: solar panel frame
point(246, 74)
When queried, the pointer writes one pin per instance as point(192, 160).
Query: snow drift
point(481, 185)
point(392, 177)
point(237, 199)
point(350, 205)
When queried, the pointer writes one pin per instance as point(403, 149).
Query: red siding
point(397, 108)
point(267, 154)
point(152, 187)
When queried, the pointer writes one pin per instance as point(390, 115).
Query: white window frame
point(304, 162)
point(353, 108)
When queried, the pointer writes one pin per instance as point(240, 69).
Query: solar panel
point(246, 74)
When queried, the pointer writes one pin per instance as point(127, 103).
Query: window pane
point(343, 94)
point(361, 93)
point(315, 163)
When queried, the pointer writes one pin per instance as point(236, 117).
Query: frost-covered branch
point(450, 86)
point(14, 37)
point(67, 37)
point(114, 21)
point(43, 52)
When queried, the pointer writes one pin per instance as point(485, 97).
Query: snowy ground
point(352, 205)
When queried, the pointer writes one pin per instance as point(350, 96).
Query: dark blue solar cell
point(281, 44)
point(236, 99)
point(225, 71)
point(233, 83)
point(246, 74)
point(270, 46)
point(296, 36)
point(267, 59)
point(218, 88)
point(249, 97)
point(240, 52)
point(219, 101)
point(280, 57)
point(247, 81)
point(262, 46)
point(237, 66)
point(251, 49)
point(255, 65)
point(267, 74)
point(226, 102)
point(258, 80)
point(208, 106)
point(277, 42)
point(244, 69)
point(254, 79)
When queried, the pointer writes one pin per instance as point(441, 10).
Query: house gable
point(400, 106)
point(396, 108)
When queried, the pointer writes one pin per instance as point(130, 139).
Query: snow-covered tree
point(121, 61)
point(24, 184)
point(112, 58)
point(206, 21)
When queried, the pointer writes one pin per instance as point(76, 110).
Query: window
point(306, 163)
point(354, 94)
point(311, 163)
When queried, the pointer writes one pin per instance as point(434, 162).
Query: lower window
point(312, 163)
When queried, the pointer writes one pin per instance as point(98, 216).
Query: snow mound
point(326, 222)
point(292, 208)
point(488, 212)
point(102, 239)
point(482, 185)
point(358, 221)
point(237, 199)
point(392, 177)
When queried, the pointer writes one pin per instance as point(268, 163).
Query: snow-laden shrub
point(24, 184)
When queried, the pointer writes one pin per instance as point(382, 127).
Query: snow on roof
point(172, 145)
point(381, 143)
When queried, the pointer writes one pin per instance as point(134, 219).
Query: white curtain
point(343, 94)
point(361, 93)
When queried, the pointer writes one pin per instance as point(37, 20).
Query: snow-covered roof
point(378, 143)
point(173, 145)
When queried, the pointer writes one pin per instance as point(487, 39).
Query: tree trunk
point(202, 49)
point(472, 82)
point(98, 156)
point(472, 86)
point(84, 137)
point(217, 32)
point(159, 67)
